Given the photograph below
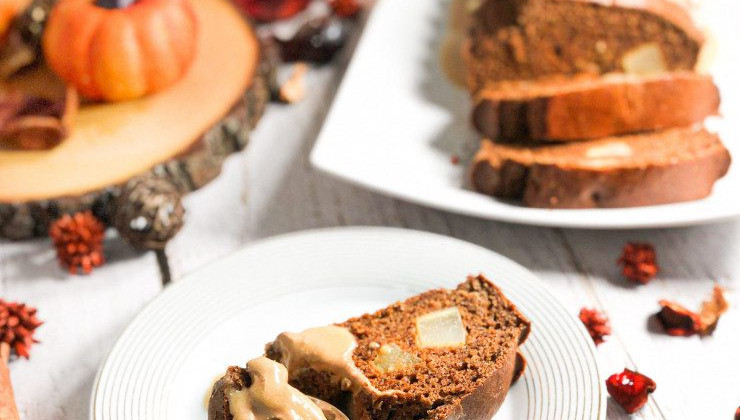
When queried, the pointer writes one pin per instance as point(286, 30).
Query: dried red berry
point(680, 321)
point(271, 10)
point(345, 8)
point(639, 262)
point(737, 414)
point(630, 389)
point(455, 159)
point(596, 323)
point(18, 323)
point(78, 240)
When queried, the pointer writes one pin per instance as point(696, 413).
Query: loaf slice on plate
point(637, 170)
point(566, 109)
point(443, 354)
point(531, 39)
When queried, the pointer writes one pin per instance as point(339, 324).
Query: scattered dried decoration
point(639, 262)
point(317, 41)
point(149, 212)
point(35, 123)
point(455, 159)
point(677, 320)
point(78, 239)
point(737, 414)
point(294, 89)
point(630, 389)
point(345, 8)
point(18, 323)
point(596, 323)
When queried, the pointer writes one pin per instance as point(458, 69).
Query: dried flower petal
point(639, 262)
point(712, 309)
point(78, 240)
point(630, 389)
point(680, 321)
point(18, 323)
point(596, 323)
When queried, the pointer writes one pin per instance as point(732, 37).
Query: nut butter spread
point(270, 397)
point(325, 349)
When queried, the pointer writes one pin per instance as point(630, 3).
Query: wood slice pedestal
point(183, 134)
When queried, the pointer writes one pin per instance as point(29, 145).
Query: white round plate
point(166, 360)
point(396, 122)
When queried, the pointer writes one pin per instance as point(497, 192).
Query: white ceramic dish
point(164, 362)
point(396, 122)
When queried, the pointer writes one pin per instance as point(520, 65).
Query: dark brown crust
point(236, 378)
point(567, 185)
point(531, 39)
point(188, 172)
point(590, 108)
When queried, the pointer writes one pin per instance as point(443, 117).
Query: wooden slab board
point(184, 133)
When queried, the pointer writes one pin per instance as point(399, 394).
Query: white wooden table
point(271, 189)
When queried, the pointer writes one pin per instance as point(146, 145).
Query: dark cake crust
point(531, 39)
point(669, 166)
point(588, 108)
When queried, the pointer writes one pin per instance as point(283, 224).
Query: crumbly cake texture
point(236, 378)
point(466, 382)
point(654, 168)
point(578, 108)
point(530, 39)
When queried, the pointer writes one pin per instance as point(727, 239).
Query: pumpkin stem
point(114, 4)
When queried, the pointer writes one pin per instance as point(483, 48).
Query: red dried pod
point(345, 8)
point(630, 389)
point(271, 10)
point(18, 323)
point(639, 262)
point(596, 323)
point(678, 320)
point(78, 239)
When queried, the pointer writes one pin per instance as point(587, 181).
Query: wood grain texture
point(270, 189)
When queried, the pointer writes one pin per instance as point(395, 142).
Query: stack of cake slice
point(590, 103)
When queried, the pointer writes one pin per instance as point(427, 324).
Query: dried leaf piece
point(639, 262)
point(630, 389)
point(712, 309)
point(30, 122)
point(294, 89)
point(596, 323)
point(679, 321)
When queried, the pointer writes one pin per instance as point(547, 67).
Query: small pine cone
point(639, 262)
point(18, 323)
point(78, 239)
point(149, 212)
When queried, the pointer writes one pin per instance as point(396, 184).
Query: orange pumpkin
point(123, 53)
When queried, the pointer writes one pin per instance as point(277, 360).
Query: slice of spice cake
point(443, 354)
